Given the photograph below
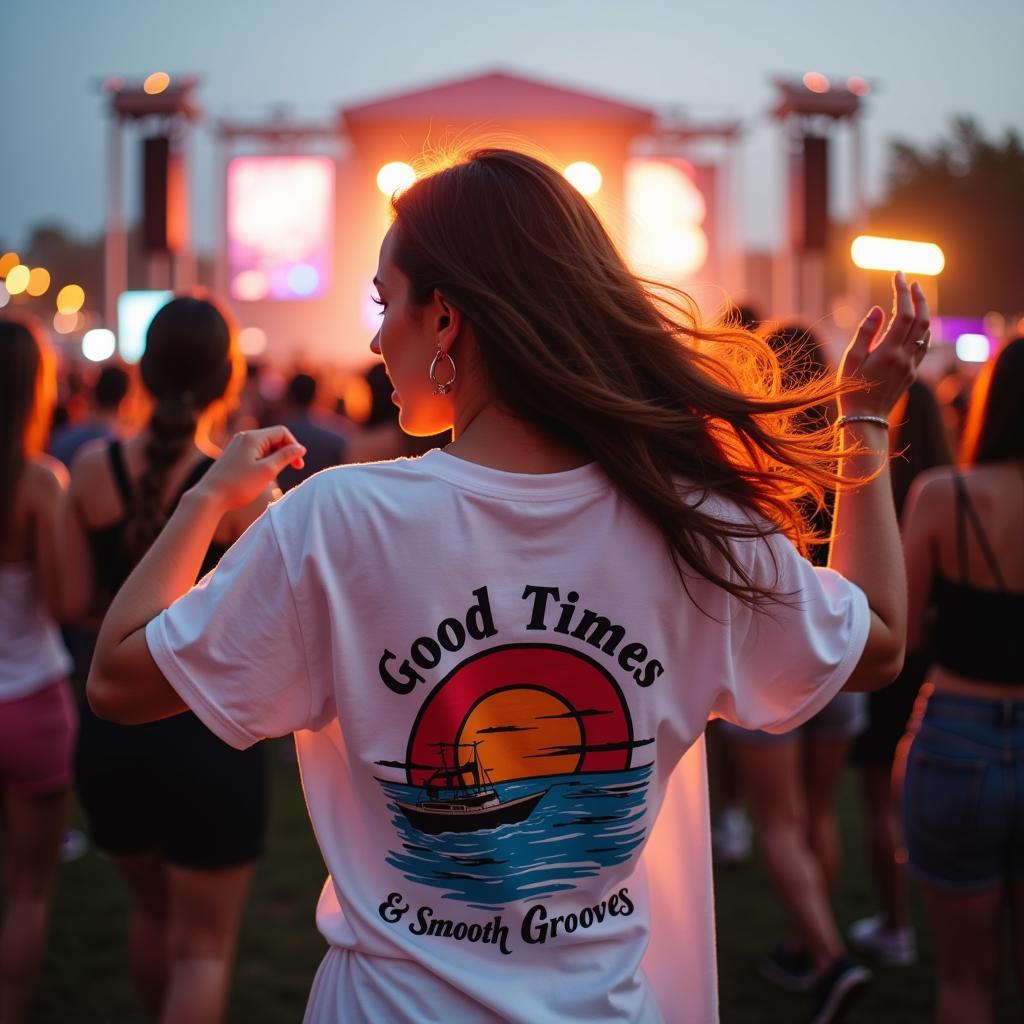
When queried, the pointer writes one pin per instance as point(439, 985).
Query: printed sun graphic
point(518, 744)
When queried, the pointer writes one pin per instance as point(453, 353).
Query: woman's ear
point(447, 320)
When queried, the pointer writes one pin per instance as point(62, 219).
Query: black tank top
point(977, 630)
point(113, 564)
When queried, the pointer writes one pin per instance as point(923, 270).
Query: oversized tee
point(496, 681)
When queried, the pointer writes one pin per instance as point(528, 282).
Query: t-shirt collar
point(568, 483)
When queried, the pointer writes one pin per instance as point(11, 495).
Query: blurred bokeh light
point(70, 298)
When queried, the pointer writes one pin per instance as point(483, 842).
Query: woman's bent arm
point(125, 684)
point(866, 546)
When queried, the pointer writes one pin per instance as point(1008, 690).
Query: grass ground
point(86, 976)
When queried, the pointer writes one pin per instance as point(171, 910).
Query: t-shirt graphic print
point(521, 777)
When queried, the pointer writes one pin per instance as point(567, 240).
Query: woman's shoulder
point(937, 480)
point(90, 459)
point(930, 496)
point(356, 477)
point(44, 477)
point(349, 492)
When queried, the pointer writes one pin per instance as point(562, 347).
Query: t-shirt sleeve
point(233, 647)
point(786, 662)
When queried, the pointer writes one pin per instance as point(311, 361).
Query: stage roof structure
point(495, 96)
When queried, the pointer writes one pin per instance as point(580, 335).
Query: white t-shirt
point(491, 678)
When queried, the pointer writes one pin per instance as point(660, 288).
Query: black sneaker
point(789, 969)
point(837, 990)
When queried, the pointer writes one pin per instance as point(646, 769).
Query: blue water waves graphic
point(582, 824)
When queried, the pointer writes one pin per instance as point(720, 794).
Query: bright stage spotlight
point(584, 177)
point(395, 177)
point(870, 252)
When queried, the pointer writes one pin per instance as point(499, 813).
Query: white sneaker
point(731, 838)
point(892, 949)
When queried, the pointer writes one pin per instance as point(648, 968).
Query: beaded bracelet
point(880, 420)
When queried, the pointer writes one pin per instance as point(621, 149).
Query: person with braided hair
point(180, 812)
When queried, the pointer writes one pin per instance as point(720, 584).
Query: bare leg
point(146, 876)
point(883, 839)
point(823, 763)
point(968, 944)
point(206, 909)
point(33, 828)
point(772, 775)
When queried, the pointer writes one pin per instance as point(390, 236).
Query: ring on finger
point(923, 341)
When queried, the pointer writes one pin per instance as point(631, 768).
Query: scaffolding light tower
point(809, 110)
point(167, 103)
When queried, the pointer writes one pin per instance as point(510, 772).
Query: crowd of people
point(539, 430)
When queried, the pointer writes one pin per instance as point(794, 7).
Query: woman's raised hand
point(886, 362)
point(248, 465)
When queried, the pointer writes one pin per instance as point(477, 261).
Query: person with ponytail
point(499, 659)
point(181, 813)
point(37, 714)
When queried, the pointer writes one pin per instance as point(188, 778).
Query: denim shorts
point(844, 717)
point(963, 793)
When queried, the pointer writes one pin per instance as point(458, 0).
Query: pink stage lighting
point(280, 226)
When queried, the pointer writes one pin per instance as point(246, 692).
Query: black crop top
point(978, 632)
point(113, 564)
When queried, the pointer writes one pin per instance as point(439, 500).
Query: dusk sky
point(928, 61)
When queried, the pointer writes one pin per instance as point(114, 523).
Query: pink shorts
point(37, 737)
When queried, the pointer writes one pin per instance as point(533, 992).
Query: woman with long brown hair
point(494, 656)
point(37, 718)
point(962, 799)
point(180, 812)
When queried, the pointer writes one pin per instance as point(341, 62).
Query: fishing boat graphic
point(451, 804)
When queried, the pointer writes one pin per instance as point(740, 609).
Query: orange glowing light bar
point(870, 252)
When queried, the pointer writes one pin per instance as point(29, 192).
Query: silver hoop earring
point(441, 387)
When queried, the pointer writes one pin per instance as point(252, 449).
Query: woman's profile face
point(407, 342)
